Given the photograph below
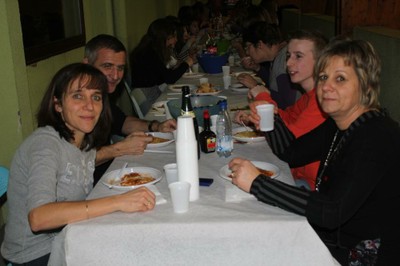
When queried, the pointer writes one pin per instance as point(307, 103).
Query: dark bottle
point(187, 109)
point(207, 137)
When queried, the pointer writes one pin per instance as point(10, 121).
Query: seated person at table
point(152, 63)
point(186, 45)
point(108, 54)
point(357, 188)
point(264, 43)
point(305, 114)
point(52, 171)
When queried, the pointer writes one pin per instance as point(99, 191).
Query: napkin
point(235, 194)
point(159, 198)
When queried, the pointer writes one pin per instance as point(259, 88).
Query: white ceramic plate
point(111, 180)
point(235, 74)
point(192, 75)
point(224, 172)
point(244, 139)
point(168, 136)
point(238, 87)
point(159, 106)
point(178, 87)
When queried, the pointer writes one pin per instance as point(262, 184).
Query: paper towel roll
point(186, 155)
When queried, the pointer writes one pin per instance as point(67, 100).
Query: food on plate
point(248, 134)
point(206, 88)
point(135, 179)
point(262, 171)
point(158, 140)
point(265, 172)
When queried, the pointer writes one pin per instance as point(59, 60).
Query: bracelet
point(87, 210)
point(150, 126)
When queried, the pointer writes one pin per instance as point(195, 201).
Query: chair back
point(4, 174)
point(3, 180)
point(137, 97)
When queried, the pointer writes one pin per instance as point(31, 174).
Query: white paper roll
point(186, 155)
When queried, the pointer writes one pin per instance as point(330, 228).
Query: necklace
point(332, 150)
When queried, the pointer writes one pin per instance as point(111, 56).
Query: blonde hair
point(362, 56)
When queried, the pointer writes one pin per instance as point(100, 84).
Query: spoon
point(110, 186)
point(122, 170)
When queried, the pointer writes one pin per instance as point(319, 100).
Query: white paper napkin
point(159, 198)
point(235, 194)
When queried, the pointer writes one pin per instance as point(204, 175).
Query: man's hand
point(167, 126)
point(249, 63)
point(135, 143)
point(247, 80)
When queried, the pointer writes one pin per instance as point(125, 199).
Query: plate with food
point(267, 169)
point(206, 89)
point(247, 135)
point(160, 139)
point(131, 177)
point(178, 87)
point(192, 75)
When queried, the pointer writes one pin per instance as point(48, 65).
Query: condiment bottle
point(187, 109)
point(207, 137)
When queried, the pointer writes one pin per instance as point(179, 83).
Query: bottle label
point(211, 144)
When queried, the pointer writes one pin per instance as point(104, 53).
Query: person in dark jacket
point(357, 188)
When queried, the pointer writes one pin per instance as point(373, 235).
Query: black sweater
point(360, 193)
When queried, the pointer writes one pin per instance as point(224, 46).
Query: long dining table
point(225, 226)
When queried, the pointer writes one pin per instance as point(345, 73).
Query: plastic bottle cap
point(206, 114)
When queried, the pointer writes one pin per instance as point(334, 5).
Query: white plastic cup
point(266, 113)
point(227, 81)
point(226, 70)
point(231, 60)
point(203, 80)
point(180, 196)
point(214, 120)
point(195, 68)
point(171, 172)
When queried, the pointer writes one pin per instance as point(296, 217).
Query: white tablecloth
point(226, 226)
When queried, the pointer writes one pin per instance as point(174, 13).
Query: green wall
point(22, 86)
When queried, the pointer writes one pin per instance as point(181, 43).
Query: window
point(51, 27)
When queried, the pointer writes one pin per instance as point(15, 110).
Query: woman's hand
point(254, 117)
point(140, 199)
point(243, 173)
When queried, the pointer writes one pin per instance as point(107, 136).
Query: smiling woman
point(51, 27)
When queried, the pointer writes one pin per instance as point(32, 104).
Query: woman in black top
point(353, 208)
point(151, 62)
